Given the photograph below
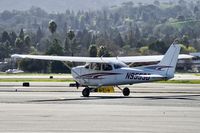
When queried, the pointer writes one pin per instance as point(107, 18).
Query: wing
point(60, 58)
point(128, 59)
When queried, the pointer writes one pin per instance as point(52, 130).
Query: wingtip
point(15, 56)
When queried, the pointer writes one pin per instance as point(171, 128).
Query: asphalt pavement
point(56, 107)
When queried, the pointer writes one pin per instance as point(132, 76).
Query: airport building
point(190, 65)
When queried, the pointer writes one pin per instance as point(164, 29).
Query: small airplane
point(113, 71)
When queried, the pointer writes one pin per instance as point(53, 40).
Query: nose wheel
point(86, 92)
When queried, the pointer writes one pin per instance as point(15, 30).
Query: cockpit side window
point(117, 66)
point(106, 67)
point(87, 66)
point(97, 66)
point(92, 65)
point(100, 66)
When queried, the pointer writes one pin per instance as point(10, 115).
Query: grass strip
point(181, 81)
point(35, 80)
point(33, 74)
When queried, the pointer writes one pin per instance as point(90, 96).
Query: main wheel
point(86, 92)
point(126, 91)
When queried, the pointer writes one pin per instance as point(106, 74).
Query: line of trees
point(127, 29)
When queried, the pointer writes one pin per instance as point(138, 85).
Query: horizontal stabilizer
point(153, 76)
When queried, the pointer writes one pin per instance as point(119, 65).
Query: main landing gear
point(87, 90)
point(125, 91)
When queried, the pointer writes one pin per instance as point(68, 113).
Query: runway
point(55, 107)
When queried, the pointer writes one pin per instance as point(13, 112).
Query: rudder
point(169, 61)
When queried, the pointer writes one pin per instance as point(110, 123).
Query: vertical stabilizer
point(169, 61)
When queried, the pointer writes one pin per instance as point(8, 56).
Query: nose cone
point(75, 72)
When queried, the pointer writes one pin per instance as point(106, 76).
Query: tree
point(27, 43)
point(164, 29)
point(67, 47)
point(21, 34)
point(71, 36)
point(102, 51)
point(52, 26)
point(27, 40)
point(158, 46)
point(136, 36)
point(5, 50)
point(156, 2)
point(85, 38)
point(187, 50)
point(182, 3)
point(116, 37)
point(13, 37)
point(93, 51)
point(128, 4)
point(30, 65)
point(39, 34)
point(144, 50)
point(19, 46)
point(5, 15)
point(5, 36)
point(185, 40)
point(55, 48)
point(196, 10)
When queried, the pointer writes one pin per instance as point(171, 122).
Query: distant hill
point(62, 5)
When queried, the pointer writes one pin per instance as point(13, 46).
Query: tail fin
point(169, 61)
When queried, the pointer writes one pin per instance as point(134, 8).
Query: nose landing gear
point(86, 92)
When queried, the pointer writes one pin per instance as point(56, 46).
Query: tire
point(126, 91)
point(86, 92)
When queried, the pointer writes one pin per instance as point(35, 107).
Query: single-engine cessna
point(113, 71)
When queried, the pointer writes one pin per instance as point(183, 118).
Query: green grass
point(35, 80)
point(181, 81)
point(197, 74)
point(32, 74)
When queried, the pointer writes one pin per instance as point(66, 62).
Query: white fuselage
point(119, 76)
